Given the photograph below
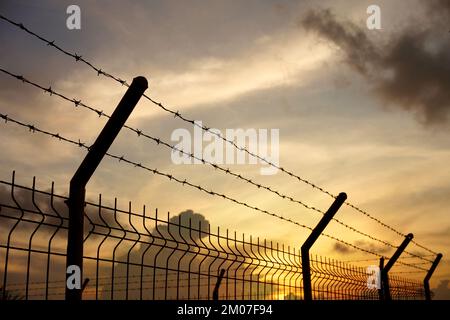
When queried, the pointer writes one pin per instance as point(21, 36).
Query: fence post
point(380, 290)
point(216, 288)
point(306, 270)
point(86, 169)
point(426, 283)
point(390, 264)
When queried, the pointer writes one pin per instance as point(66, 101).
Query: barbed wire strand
point(34, 129)
point(402, 258)
point(176, 114)
point(140, 133)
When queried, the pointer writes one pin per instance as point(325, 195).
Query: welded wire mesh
point(131, 254)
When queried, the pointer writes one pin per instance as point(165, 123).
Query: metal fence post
point(390, 264)
point(380, 290)
point(426, 283)
point(306, 270)
point(86, 169)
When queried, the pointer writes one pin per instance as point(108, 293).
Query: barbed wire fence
point(177, 114)
point(184, 182)
point(245, 274)
point(140, 133)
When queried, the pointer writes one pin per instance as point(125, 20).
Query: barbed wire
point(99, 71)
point(140, 133)
point(402, 258)
point(419, 263)
point(400, 272)
point(34, 129)
point(73, 55)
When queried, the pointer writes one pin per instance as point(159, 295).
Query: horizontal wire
point(400, 272)
point(140, 133)
point(42, 285)
point(34, 129)
point(195, 283)
point(176, 114)
point(402, 258)
point(182, 273)
point(181, 276)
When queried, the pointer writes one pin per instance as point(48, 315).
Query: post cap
point(140, 82)
point(342, 195)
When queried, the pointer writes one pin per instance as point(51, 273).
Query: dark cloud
point(372, 247)
point(176, 253)
point(19, 202)
point(410, 71)
point(340, 248)
point(188, 226)
point(442, 292)
point(349, 37)
point(439, 7)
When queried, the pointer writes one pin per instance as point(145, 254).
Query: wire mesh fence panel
point(133, 254)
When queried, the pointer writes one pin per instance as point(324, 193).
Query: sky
point(360, 111)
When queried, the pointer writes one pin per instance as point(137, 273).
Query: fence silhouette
point(176, 114)
point(130, 254)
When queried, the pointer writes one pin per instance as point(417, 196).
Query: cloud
point(346, 35)
point(25, 206)
point(439, 7)
point(188, 226)
point(181, 256)
point(371, 247)
point(410, 71)
point(442, 291)
point(340, 248)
